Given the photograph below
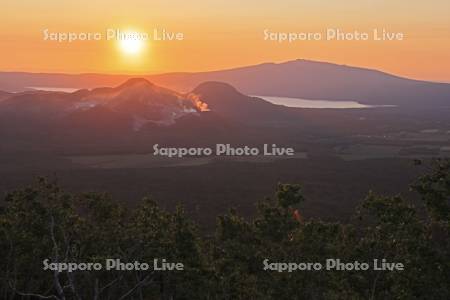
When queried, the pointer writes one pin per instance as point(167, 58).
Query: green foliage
point(434, 189)
point(44, 222)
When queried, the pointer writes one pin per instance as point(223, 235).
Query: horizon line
point(221, 70)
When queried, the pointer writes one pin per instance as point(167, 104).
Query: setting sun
point(131, 46)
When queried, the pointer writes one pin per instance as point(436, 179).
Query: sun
point(131, 46)
point(131, 42)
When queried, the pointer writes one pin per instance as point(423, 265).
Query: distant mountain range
point(136, 114)
point(135, 110)
point(135, 102)
point(297, 79)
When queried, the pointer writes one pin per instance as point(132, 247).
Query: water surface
point(53, 89)
point(304, 103)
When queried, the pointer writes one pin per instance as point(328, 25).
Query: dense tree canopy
point(44, 223)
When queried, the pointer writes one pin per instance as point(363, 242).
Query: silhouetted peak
point(135, 82)
point(215, 87)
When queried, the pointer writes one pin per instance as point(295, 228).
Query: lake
point(53, 89)
point(286, 101)
point(304, 103)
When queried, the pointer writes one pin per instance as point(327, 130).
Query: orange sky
point(224, 34)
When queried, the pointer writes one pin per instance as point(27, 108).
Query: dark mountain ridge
point(297, 79)
point(136, 107)
point(324, 81)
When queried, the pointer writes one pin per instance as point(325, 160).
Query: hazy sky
point(224, 34)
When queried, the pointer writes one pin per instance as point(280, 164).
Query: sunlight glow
point(131, 46)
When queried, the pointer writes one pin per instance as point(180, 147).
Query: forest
point(43, 222)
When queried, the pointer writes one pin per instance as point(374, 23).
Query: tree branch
point(57, 284)
point(39, 296)
point(143, 282)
